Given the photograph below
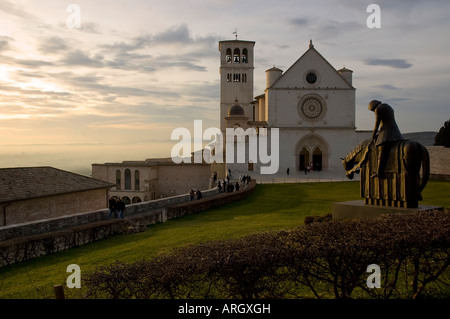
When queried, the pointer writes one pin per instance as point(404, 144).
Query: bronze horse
point(402, 184)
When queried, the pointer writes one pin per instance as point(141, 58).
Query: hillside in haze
point(78, 158)
point(424, 138)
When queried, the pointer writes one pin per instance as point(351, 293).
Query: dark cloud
point(90, 27)
point(205, 90)
point(176, 61)
point(174, 35)
point(299, 21)
point(136, 53)
point(184, 65)
point(321, 28)
point(16, 11)
point(29, 92)
point(330, 29)
point(20, 73)
point(125, 62)
point(53, 45)
point(171, 114)
point(178, 34)
point(393, 63)
point(381, 97)
point(80, 58)
point(394, 100)
point(4, 43)
point(182, 35)
point(84, 78)
point(20, 101)
point(86, 27)
point(9, 59)
point(25, 62)
point(387, 87)
point(97, 82)
point(136, 43)
point(405, 7)
point(98, 85)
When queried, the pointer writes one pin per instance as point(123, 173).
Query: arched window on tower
point(228, 55)
point(137, 181)
point(118, 180)
point(236, 56)
point(245, 56)
point(127, 179)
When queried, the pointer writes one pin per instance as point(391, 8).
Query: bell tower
point(236, 77)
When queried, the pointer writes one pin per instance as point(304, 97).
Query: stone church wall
point(439, 162)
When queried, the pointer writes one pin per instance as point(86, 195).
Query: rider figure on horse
point(388, 134)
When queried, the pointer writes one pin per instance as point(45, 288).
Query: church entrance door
point(304, 159)
point(317, 159)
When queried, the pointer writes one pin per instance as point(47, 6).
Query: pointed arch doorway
point(304, 159)
point(317, 159)
point(312, 149)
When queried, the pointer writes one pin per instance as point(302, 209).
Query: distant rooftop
point(22, 183)
point(167, 161)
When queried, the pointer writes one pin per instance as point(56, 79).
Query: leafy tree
point(443, 136)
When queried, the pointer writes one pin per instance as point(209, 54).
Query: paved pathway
point(297, 177)
point(301, 177)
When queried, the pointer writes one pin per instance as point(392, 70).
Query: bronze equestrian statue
point(389, 164)
point(389, 133)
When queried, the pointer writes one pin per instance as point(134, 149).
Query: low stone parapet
point(54, 224)
point(31, 240)
point(203, 204)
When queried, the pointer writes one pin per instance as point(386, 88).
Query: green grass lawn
point(269, 207)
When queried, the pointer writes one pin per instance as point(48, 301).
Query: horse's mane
point(359, 148)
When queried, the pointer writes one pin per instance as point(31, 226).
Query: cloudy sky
point(135, 70)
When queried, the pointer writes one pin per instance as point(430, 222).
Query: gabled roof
point(150, 162)
point(21, 183)
point(311, 48)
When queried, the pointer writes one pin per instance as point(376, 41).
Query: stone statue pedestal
point(357, 209)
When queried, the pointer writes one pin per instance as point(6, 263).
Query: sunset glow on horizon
point(135, 70)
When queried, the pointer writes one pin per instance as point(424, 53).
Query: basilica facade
point(312, 105)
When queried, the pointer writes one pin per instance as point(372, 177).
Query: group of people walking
point(193, 194)
point(116, 206)
point(227, 186)
point(316, 167)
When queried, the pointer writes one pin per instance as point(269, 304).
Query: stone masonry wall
point(196, 206)
point(52, 236)
point(439, 162)
point(54, 224)
point(53, 206)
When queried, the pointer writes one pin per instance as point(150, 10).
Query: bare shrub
point(326, 259)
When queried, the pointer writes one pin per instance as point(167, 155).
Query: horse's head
point(354, 157)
